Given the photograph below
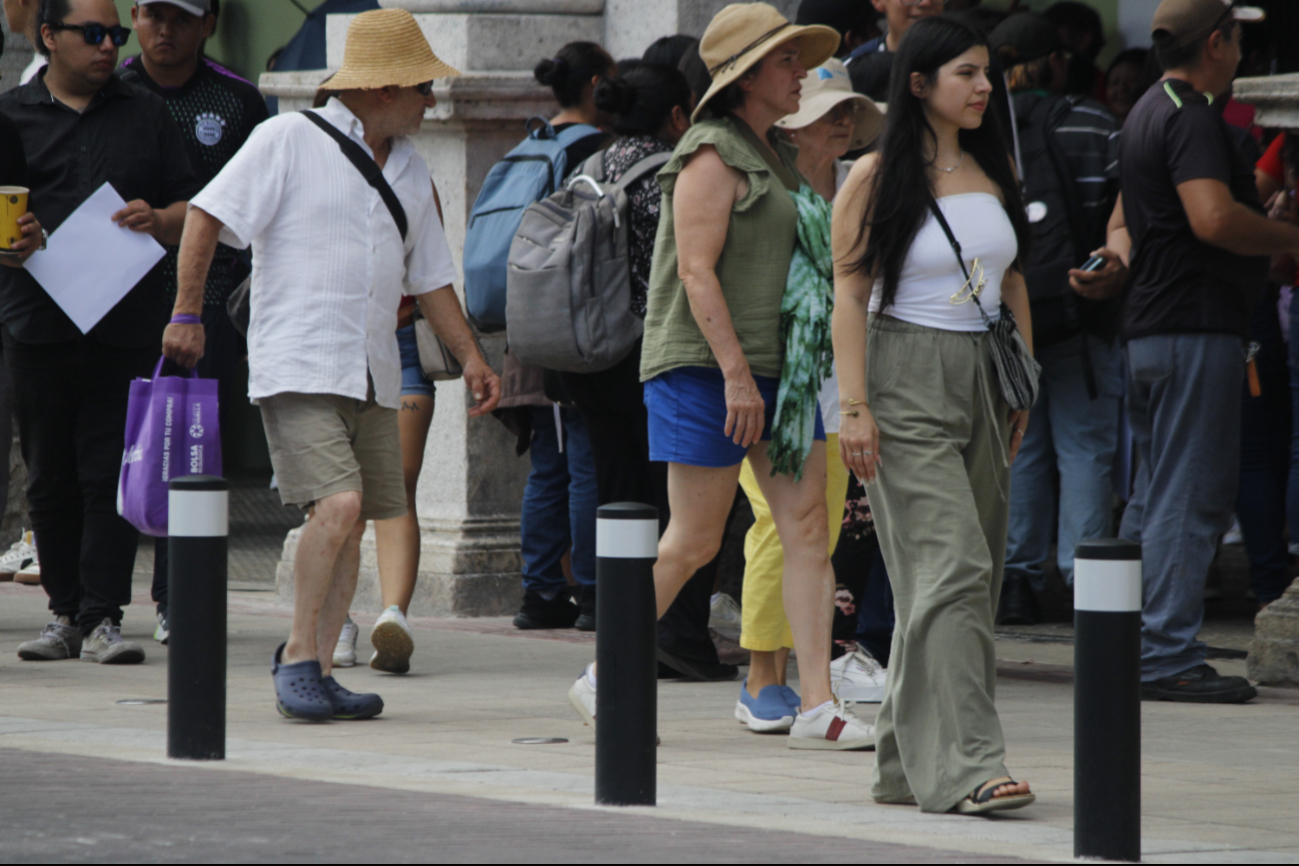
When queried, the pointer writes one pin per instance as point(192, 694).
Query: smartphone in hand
point(1095, 263)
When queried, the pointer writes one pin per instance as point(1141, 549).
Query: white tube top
point(931, 275)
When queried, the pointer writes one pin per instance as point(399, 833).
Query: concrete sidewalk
point(1219, 783)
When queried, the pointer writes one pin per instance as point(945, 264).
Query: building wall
point(248, 32)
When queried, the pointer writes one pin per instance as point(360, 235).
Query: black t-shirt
point(124, 137)
point(1179, 283)
point(216, 111)
point(13, 161)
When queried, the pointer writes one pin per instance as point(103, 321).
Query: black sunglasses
point(425, 89)
point(95, 33)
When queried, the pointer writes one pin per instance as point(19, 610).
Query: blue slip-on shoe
point(348, 705)
point(792, 700)
point(299, 692)
point(767, 713)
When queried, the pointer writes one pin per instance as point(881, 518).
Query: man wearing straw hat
point(334, 250)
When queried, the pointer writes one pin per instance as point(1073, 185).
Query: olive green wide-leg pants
point(941, 505)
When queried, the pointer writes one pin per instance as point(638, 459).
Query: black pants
point(70, 404)
point(613, 405)
point(224, 349)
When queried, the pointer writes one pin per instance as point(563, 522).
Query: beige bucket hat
point(744, 33)
point(386, 47)
point(827, 86)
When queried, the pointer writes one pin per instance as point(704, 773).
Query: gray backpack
point(568, 283)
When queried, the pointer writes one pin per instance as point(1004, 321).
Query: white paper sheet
point(91, 262)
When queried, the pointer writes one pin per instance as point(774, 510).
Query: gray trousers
point(941, 505)
point(1184, 408)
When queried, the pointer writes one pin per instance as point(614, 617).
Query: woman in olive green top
point(712, 351)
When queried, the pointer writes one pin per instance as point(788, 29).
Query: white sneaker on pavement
point(831, 727)
point(19, 556)
point(59, 640)
point(107, 646)
point(345, 651)
point(393, 642)
point(857, 677)
point(582, 697)
point(724, 612)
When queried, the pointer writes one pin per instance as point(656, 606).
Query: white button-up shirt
point(329, 266)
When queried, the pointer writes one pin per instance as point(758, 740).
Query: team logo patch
point(209, 128)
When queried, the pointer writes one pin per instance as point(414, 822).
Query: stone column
point(631, 25)
point(18, 53)
point(1274, 653)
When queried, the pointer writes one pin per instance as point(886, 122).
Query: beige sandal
point(982, 801)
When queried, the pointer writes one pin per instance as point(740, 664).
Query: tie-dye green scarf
point(805, 328)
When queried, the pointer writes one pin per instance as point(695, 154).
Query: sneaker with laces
point(107, 646)
point(20, 555)
point(831, 727)
point(163, 632)
point(60, 639)
point(856, 677)
point(768, 713)
point(392, 641)
point(345, 651)
point(724, 612)
point(582, 697)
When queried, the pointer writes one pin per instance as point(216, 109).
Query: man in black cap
point(1066, 148)
point(1190, 226)
point(216, 112)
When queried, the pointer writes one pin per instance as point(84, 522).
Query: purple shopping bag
point(171, 431)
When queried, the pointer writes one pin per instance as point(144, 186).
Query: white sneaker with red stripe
point(831, 727)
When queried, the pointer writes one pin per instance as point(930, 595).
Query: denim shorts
point(412, 374)
point(687, 417)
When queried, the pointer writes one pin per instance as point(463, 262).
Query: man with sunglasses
point(83, 126)
point(216, 111)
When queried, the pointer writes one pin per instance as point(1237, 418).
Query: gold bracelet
point(853, 413)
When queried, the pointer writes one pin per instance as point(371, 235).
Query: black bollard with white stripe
point(198, 522)
point(1107, 700)
point(626, 695)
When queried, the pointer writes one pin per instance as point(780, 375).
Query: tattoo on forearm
point(409, 407)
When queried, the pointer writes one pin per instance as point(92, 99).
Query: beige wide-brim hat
point(385, 47)
point(743, 33)
point(827, 86)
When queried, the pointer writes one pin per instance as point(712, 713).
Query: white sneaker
point(831, 727)
point(20, 555)
point(30, 575)
point(393, 642)
point(582, 697)
point(856, 677)
point(162, 633)
point(107, 646)
point(724, 612)
point(345, 652)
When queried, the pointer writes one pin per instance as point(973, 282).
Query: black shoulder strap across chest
point(368, 167)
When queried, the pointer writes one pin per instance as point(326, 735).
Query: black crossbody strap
point(368, 167)
point(947, 230)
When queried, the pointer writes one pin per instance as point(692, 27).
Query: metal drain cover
point(538, 741)
point(133, 702)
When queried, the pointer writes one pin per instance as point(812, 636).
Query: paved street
point(437, 776)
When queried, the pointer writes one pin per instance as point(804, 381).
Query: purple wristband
point(186, 319)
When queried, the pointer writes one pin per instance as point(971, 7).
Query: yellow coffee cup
point(13, 204)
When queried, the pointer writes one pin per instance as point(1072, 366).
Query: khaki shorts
point(322, 444)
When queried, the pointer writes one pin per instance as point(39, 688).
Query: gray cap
point(193, 7)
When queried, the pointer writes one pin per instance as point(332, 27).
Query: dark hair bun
point(550, 71)
point(615, 96)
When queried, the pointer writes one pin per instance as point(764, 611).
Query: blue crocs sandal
point(348, 705)
point(299, 692)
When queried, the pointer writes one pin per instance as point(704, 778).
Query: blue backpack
point(528, 174)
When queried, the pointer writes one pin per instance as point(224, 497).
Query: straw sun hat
point(386, 47)
point(824, 88)
point(743, 33)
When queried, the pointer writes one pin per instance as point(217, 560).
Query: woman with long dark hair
point(924, 423)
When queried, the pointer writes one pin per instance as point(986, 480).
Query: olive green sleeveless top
point(754, 264)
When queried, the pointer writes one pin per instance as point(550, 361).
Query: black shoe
point(1199, 685)
point(537, 612)
point(700, 672)
point(586, 604)
point(1018, 604)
